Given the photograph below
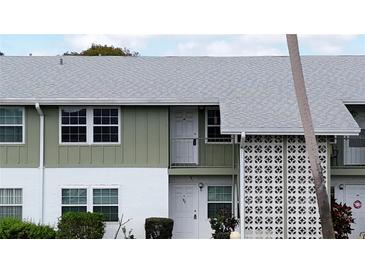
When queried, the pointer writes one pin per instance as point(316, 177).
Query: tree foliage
point(342, 220)
point(1, 54)
point(103, 50)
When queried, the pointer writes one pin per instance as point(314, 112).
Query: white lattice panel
point(302, 210)
point(264, 187)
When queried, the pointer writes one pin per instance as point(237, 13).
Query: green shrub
point(159, 228)
point(81, 225)
point(11, 228)
point(342, 220)
point(223, 224)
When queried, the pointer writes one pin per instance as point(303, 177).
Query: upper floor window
point(106, 125)
point(90, 125)
point(11, 125)
point(213, 127)
point(73, 125)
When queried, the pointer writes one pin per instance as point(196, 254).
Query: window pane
point(11, 115)
point(213, 117)
point(219, 193)
point(103, 132)
point(11, 134)
point(75, 134)
point(110, 212)
point(10, 196)
point(105, 196)
point(73, 209)
point(215, 208)
point(74, 196)
point(73, 116)
point(106, 134)
point(11, 211)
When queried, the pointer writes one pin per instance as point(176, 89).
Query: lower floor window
point(74, 200)
point(105, 201)
point(11, 200)
point(219, 200)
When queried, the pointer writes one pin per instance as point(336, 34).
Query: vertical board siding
point(144, 142)
point(213, 155)
point(27, 154)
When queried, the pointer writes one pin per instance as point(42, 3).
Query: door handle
point(195, 216)
point(194, 142)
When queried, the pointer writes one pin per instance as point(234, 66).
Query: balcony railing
point(348, 151)
point(203, 152)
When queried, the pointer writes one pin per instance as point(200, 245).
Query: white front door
point(184, 210)
point(355, 198)
point(184, 134)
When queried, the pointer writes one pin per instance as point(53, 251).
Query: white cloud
point(325, 44)
point(242, 45)
point(82, 42)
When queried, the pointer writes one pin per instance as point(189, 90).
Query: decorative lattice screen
point(264, 187)
point(274, 209)
point(302, 209)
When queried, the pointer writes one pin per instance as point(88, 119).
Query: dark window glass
point(110, 212)
point(215, 208)
point(11, 134)
point(103, 131)
point(214, 128)
point(75, 131)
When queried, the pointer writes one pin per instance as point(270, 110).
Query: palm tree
point(310, 138)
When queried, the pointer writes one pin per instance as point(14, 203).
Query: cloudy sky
point(185, 45)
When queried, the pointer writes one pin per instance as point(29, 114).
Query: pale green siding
point(144, 142)
point(215, 155)
point(27, 154)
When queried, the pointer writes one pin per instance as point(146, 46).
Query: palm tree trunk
point(310, 138)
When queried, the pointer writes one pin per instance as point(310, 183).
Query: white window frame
point(92, 126)
point(206, 128)
point(13, 205)
point(90, 198)
point(219, 202)
point(16, 125)
point(71, 205)
point(105, 187)
point(89, 127)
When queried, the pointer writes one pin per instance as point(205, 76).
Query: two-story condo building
point(179, 137)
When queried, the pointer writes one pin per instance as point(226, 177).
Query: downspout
point(41, 155)
point(242, 185)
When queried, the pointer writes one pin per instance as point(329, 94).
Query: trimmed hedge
point(81, 225)
point(11, 228)
point(222, 235)
point(159, 228)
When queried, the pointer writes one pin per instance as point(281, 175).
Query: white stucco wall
point(29, 180)
point(143, 192)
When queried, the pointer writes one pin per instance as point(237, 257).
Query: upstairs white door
point(184, 211)
point(355, 198)
point(184, 135)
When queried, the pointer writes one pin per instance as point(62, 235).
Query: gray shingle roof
point(256, 94)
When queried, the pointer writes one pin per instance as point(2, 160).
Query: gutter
point(41, 156)
point(242, 185)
